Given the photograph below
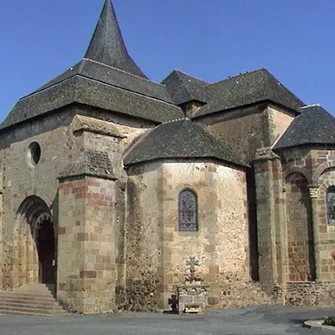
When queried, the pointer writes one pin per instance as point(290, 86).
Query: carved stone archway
point(37, 242)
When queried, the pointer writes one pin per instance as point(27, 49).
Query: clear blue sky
point(209, 39)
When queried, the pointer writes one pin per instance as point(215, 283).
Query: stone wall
point(311, 294)
point(242, 130)
point(22, 179)
point(157, 251)
point(317, 167)
point(61, 137)
point(221, 242)
point(130, 128)
point(144, 238)
point(247, 129)
point(278, 120)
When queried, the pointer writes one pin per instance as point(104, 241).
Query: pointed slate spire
point(107, 45)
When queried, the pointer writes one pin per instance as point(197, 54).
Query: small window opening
point(34, 153)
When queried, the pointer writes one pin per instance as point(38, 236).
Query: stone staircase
point(35, 299)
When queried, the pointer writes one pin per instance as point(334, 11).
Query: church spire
point(107, 45)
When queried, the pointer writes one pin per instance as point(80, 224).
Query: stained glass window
point(331, 205)
point(187, 206)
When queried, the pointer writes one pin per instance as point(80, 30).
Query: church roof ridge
point(309, 106)
point(107, 45)
point(176, 120)
point(115, 68)
point(241, 74)
point(189, 75)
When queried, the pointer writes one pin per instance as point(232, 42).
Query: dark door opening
point(46, 253)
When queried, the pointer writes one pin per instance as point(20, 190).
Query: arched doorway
point(45, 243)
point(36, 216)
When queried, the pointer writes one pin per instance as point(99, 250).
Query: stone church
point(110, 182)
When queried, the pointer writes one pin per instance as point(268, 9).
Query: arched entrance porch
point(37, 241)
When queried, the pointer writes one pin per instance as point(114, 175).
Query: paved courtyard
point(270, 320)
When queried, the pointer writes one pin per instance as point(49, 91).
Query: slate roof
point(245, 89)
point(184, 88)
point(107, 45)
point(85, 91)
point(178, 139)
point(109, 79)
point(313, 126)
point(97, 79)
point(89, 163)
point(109, 75)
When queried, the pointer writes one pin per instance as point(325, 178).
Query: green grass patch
point(329, 321)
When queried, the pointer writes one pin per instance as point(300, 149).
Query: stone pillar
point(270, 219)
point(280, 223)
point(86, 245)
point(313, 195)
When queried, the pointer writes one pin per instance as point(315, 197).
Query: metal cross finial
point(192, 263)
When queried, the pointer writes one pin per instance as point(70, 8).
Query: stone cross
point(192, 264)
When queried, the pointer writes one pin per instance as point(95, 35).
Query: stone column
point(266, 217)
point(313, 195)
point(272, 230)
point(280, 223)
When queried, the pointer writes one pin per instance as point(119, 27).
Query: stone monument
point(193, 294)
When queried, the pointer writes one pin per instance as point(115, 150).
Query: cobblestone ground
point(261, 320)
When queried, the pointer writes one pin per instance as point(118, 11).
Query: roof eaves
point(198, 114)
point(186, 158)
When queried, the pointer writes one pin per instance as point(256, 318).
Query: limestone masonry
point(110, 182)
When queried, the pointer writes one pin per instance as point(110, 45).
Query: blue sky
point(209, 39)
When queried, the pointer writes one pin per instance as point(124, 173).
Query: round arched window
point(34, 154)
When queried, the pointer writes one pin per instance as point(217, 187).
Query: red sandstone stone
point(61, 230)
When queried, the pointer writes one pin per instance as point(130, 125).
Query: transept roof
point(245, 89)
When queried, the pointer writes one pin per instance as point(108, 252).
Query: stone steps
point(35, 299)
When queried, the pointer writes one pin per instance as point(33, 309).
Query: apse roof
point(178, 139)
point(313, 126)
